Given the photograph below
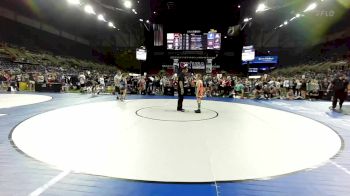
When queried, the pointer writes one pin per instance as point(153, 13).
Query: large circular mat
point(113, 139)
point(14, 100)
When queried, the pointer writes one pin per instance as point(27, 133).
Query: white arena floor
point(147, 139)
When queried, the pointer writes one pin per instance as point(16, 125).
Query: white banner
point(197, 65)
point(209, 66)
point(176, 64)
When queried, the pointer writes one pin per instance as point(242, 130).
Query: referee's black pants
point(179, 102)
point(341, 95)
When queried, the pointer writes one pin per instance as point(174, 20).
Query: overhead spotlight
point(147, 21)
point(312, 6)
point(74, 2)
point(89, 9)
point(293, 18)
point(285, 22)
point(247, 19)
point(298, 15)
point(225, 37)
point(154, 12)
point(138, 1)
point(141, 20)
point(262, 7)
point(118, 29)
point(133, 10)
point(281, 25)
point(239, 6)
point(110, 24)
point(127, 4)
point(101, 18)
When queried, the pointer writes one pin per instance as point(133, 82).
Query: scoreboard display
point(193, 41)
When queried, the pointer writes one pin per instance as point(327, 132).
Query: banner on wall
point(176, 65)
point(209, 66)
point(194, 64)
point(263, 60)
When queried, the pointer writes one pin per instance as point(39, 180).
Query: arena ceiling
point(73, 19)
point(182, 15)
point(195, 14)
point(175, 15)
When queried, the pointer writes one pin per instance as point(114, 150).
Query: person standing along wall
point(340, 90)
point(123, 85)
point(117, 79)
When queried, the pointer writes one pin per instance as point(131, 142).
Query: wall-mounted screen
point(248, 53)
point(141, 54)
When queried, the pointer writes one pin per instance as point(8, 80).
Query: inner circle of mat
point(167, 113)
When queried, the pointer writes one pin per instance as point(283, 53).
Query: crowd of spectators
point(14, 74)
point(310, 83)
point(21, 69)
point(305, 86)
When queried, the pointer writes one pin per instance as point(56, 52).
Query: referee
point(180, 88)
